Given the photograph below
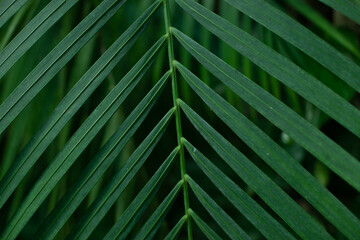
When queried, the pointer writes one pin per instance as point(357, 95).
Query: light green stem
point(175, 94)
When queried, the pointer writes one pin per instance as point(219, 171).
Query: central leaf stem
point(175, 94)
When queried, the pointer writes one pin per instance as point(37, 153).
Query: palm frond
point(69, 106)
point(251, 160)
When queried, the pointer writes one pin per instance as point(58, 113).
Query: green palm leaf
point(278, 159)
point(153, 223)
point(101, 163)
point(32, 32)
point(177, 228)
point(209, 233)
point(54, 61)
point(270, 228)
point(278, 113)
point(270, 151)
point(299, 36)
point(79, 142)
point(219, 215)
point(278, 66)
point(119, 182)
point(120, 230)
point(70, 104)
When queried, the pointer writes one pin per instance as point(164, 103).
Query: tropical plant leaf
point(324, 25)
point(79, 142)
point(287, 28)
point(55, 61)
point(209, 233)
point(100, 164)
point(266, 224)
point(176, 229)
point(70, 104)
point(231, 228)
point(103, 203)
point(153, 223)
point(123, 226)
point(32, 32)
point(85, 156)
point(271, 193)
point(278, 66)
point(278, 159)
point(313, 140)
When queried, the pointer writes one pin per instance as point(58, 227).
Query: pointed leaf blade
point(124, 225)
point(229, 226)
point(278, 66)
point(79, 142)
point(153, 223)
point(209, 233)
point(293, 32)
point(55, 61)
point(102, 161)
point(307, 135)
point(70, 104)
point(113, 190)
point(264, 222)
point(173, 234)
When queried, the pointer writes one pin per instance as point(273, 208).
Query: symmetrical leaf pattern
point(254, 186)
